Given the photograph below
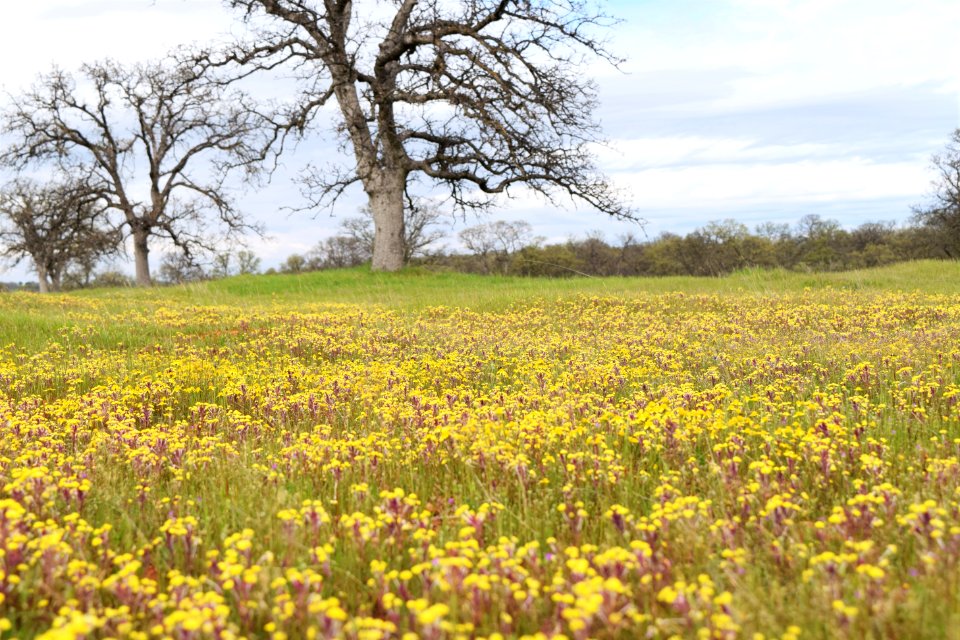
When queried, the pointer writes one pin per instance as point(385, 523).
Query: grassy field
point(415, 289)
point(435, 455)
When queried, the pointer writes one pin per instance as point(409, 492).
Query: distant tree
point(819, 243)
point(477, 96)
point(295, 263)
point(248, 263)
point(665, 256)
point(492, 243)
point(943, 211)
point(157, 141)
point(111, 278)
point(230, 263)
point(222, 266)
point(594, 255)
point(178, 268)
point(556, 261)
point(55, 225)
point(339, 251)
point(774, 231)
point(629, 255)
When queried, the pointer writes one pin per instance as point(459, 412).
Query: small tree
point(222, 266)
point(157, 140)
point(477, 97)
point(339, 251)
point(248, 263)
point(295, 263)
point(492, 243)
point(243, 262)
point(943, 212)
point(818, 241)
point(178, 268)
point(56, 225)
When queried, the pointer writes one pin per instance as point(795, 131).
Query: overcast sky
point(756, 110)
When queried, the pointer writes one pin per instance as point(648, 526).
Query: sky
point(752, 110)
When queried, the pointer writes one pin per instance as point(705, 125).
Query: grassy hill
point(419, 288)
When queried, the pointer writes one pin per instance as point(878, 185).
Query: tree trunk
point(141, 259)
point(386, 205)
point(42, 279)
point(56, 282)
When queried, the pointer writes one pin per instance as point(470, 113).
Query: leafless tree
point(159, 140)
point(493, 243)
point(337, 252)
point(943, 212)
point(56, 225)
point(229, 263)
point(248, 263)
point(179, 268)
point(478, 96)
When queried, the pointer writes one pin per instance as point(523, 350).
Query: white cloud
point(795, 49)
point(39, 34)
point(728, 185)
point(653, 152)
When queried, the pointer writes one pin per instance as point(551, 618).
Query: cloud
point(66, 33)
point(732, 184)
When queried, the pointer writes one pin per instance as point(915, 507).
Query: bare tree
point(248, 263)
point(229, 263)
point(943, 212)
point(338, 251)
point(159, 140)
point(477, 96)
point(493, 243)
point(179, 268)
point(56, 225)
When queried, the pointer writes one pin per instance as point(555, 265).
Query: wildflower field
point(756, 464)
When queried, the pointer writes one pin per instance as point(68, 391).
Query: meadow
point(418, 455)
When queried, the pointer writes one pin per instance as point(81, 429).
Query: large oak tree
point(476, 95)
point(156, 140)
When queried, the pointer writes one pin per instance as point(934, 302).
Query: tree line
point(718, 248)
point(511, 248)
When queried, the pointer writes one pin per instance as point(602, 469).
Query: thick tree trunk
point(42, 279)
point(56, 282)
point(386, 204)
point(141, 258)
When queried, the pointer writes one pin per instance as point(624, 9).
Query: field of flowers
point(644, 466)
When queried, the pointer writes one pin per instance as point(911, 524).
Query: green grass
point(30, 320)
point(418, 288)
